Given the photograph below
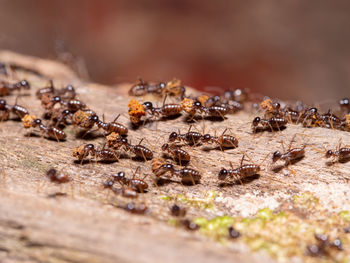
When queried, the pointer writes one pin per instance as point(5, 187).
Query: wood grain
point(86, 225)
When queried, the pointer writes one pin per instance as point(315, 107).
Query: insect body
point(177, 153)
point(16, 109)
point(223, 141)
point(89, 149)
point(342, 154)
point(167, 110)
point(7, 88)
point(57, 177)
point(289, 156)
point(187, 175)
point(266, 124)
point(139, 150)
point(30, 121)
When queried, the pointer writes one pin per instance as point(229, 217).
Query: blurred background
point(289, 49)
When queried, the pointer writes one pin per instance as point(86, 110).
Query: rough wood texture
point(85, 225)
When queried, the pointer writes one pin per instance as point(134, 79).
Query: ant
point(138, 185)
point(142, 88)
point(343, 154)
point(223, 141)
point(67, 93)
point(191, 138)
point(125, 191)
point(73, 105)
point(7, 88)
point(242, 172)
point(30, 121)
point(187, 175)
point(20, 111)
point(57, 177)
point(273, 123)
point(167, 110)
point(139, 150)
point(290, 155)
point(178, 154)
point(110, 127)
point(330, 120)
point(84, 151)
point(211, 111)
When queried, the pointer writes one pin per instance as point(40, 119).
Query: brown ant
point(240, 173)
point(7, 88)
point(342, 154)
point(139, 150)
point(84, 151)
point(187, 175)
point(73, 105)
point(178, 154)
point(212, 111)
point(290, 155)
point(20, 111)
point(223, 141)
point(329, 120)
point(142, 88)
point(167, 110)
point(191, 138)
point(57, 177)
point(67, 93)
point(30, 121)
point(110, 127)
point(136, 184)
point(273, 123)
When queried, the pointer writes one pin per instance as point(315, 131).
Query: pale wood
point(86, 226)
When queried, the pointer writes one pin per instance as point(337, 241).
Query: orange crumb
point(266, 104)
point(203, 99)
point(187, 105)
point(157, 163)
point(28, 120)
point(136, 111)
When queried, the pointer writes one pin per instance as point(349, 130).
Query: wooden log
point(85, 225)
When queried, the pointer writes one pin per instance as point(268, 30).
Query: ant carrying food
point(7, 88)
point(178, 154)
point(187, 175)
point(110, 127)
point(30, 121)
point(85, 150)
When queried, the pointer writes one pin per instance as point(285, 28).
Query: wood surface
point(87, 226)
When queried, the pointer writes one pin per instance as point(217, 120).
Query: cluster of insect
point(61, 108)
